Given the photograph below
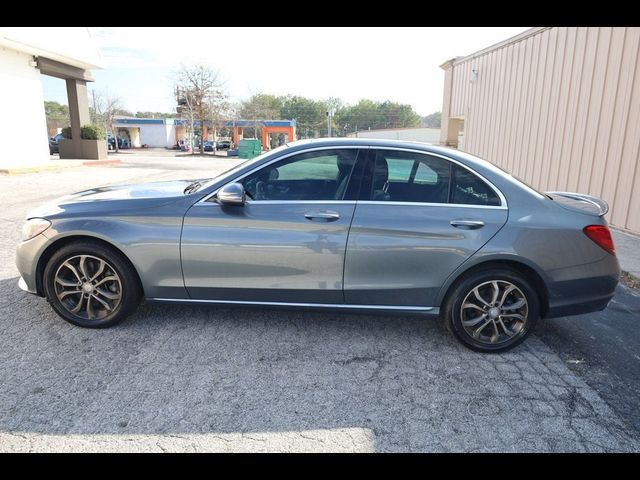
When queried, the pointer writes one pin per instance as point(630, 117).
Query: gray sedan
point(341, 224)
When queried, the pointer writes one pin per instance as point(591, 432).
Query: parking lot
point(177, 378)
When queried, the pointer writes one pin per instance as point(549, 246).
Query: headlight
point(33, 227)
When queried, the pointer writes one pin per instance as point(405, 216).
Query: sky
point(378, 63)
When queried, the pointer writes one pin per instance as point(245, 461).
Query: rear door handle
point(322, 215)
point(467, 224)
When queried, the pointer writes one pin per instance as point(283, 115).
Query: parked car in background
point(341, 224)
point(111, 143)
point(54, 145)
point(223, 145)
point(209, 146)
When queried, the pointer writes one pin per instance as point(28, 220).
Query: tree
point(261, 106)
point(432, 121)
point(154, 115)
point(57, 115)
point(368, 114)
point(310, 115)
point(105, 107)
point(200, 92)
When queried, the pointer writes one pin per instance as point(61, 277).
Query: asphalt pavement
point(176, 378)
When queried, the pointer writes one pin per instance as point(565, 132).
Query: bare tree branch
point(201, 90)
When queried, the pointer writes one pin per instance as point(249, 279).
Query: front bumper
point(28, 254)
point(24, 287)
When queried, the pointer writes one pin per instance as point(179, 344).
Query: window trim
point(503, 201)
point(364, 148)
point(367, 150)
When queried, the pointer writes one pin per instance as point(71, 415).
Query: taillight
point(601, 236)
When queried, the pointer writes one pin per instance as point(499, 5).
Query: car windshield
point(237, 168)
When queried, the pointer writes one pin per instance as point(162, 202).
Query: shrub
point(91, 132)
point(66, 132)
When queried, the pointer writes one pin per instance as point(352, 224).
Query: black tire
point(453, 311)
point(128, 285)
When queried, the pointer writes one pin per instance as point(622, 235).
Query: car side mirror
point(232, 194)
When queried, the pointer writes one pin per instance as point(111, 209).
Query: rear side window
point(410, 177)
point(469, 189)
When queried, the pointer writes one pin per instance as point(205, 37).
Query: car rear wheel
point(91, 285)
point(493, 310)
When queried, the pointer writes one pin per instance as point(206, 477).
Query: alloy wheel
point(88, 287)
point(494, 312)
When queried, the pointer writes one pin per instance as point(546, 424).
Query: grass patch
point(630, 281)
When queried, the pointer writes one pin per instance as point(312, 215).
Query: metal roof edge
point(516, 38)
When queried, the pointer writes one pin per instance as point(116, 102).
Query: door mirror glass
point(232, 194)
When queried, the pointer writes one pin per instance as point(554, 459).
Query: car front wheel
point(91, 285)
point(492, 311)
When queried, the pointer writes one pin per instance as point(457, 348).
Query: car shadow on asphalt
point(363, 382)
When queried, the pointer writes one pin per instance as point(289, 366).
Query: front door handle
point(322, 215)
point(467, 224)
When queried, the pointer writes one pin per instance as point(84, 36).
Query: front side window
point(410, 177)
point(318, 175)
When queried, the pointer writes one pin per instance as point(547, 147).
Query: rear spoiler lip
point(597, 202)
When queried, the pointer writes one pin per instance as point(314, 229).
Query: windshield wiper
point(192, 187)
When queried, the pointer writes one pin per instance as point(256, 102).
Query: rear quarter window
point(469, 189)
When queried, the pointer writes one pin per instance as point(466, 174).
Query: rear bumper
point(583, 289)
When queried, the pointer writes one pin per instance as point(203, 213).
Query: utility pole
point(330, 113)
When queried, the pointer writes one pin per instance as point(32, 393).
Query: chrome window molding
point(427, 204)
point(283, 157)
point(503, 200)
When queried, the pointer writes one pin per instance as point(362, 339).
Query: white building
point(426, 135)
point(153, 132)
point(26, 53)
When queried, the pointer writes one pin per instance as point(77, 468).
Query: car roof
point(478, 164)
point(377, 142)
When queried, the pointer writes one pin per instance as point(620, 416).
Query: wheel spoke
point(477, 294)
point(496, 334)
point(105, 304)
point(73, 269)
point(474, 321)
point(512, 315)
point(107, 294)
point(78, 306)
point(111, 278)
point(476, 332)
point(82, 267)
point(515, 305)
point(99, 272)
point(496, 292)
point(66, 283)
point(68, 292)
point(90, 313)
point(472, 305)
point(506, 292)
point(506, 330)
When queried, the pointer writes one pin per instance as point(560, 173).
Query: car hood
point(122, 192)
point(125, 197)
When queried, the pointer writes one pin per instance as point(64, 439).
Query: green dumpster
point(249, 148)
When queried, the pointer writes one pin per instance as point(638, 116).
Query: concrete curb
point(52, 167)
point(98, 163)
point(39, 168)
